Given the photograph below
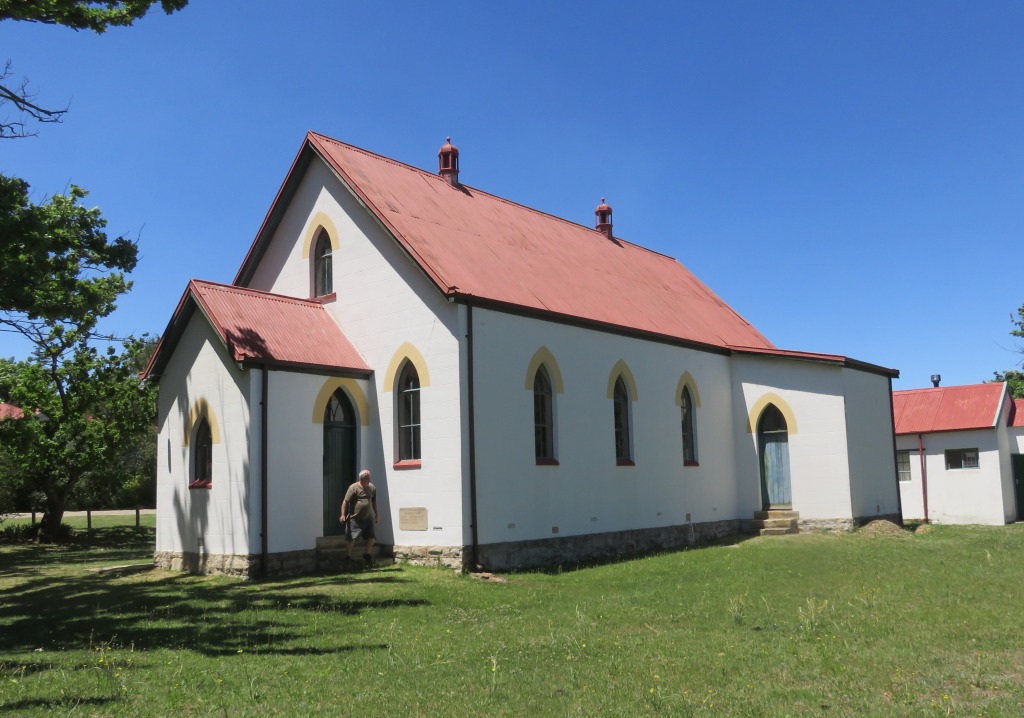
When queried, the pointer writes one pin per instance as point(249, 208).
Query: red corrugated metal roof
point(262, 328)
point(1018, 417)
point(947, 408)
point(10, 411)
point(475, 245)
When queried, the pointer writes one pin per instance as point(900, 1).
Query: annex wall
point(199, 380)
point(390, 311)
point(869, 432)
point(955, 496)
point(818, 448)
point(587, 492)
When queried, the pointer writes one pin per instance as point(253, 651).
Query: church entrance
point(339, 458)
point(773, 445)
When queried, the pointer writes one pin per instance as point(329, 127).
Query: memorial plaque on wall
point(414, 519)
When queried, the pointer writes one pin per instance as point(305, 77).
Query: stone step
point(777, 514)
point(778, 531)
point(774, 524)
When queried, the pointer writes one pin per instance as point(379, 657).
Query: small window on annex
point(621, 408)
point(903, 465)
point(323, 274)
point(408, 414)
point(202, 457)
point(961, 458)
point(543, 417)
point(689, 434)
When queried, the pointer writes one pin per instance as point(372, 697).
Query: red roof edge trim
point(306, 368)
point(573, 321)
point(838, 359)
point(432, 274)
point(169, 331)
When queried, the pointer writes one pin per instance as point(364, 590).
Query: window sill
point(546, 462)
point(201, 485)
point(690, 462)
point(406, 464)
point(625, 462)
point(327, 298)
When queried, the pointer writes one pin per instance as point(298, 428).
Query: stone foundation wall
point(455, 557)
point(845, 525)
point(288, 563)
point(573, 549)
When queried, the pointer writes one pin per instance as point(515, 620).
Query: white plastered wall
point(955, 496)
point(214, 520)
point(818, 449)
point(869, 432)
point(588, 492)
point(383, 303)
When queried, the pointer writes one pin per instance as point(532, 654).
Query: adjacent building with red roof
point(524, 389)
point(959, 454)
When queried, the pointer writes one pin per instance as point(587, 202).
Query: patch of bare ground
point(881, 527)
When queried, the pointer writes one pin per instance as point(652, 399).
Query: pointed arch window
point(408, 414)
point(543, 418)
point(686, 411)
point(620, 399)
point(323, 272)
point(202, 457)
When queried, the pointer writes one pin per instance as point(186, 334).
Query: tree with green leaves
point(1014, 377)
point(87, 406)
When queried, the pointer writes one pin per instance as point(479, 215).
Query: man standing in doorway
point(359, 514)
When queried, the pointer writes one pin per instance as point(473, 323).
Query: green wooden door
point(1018, 483)
point(339, 459)
point(773, 442)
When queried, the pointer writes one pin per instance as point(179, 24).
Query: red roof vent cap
point(603, 213)
point(448, 162)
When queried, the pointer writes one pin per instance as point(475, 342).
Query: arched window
point(202, 457)
point(408, 414)
point(323, 276)
point(689, 434)
point(620, 397)
point(543, 417)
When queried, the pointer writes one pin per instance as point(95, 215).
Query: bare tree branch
point(25, 110)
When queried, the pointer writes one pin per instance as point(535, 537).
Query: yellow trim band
point(201, 410)
point(406, 351)
point(319, 221)
point(759, 406)
point(545, 357)
point(350, 387)
point(687, 380)
point(621, 369)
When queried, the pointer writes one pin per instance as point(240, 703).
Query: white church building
point(524, 389)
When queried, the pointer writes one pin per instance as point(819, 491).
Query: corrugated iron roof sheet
point(947, 408)
point(475, 245)
point(1018, 417)
point(262, 328)
point(10, 411)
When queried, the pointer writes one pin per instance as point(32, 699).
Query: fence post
point(33, 517)
point(88, 521)
point(138, 522)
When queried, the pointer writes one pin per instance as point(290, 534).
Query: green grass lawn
point(856, 625)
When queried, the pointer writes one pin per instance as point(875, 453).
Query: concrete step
point(774, 524)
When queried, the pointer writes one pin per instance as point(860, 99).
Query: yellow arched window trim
point(545, 357)
point(318, 222)
point(687, 380)
point(350, 387)
point(201, 409)
point(759, 406)
point(622, 369)
point(404, 352)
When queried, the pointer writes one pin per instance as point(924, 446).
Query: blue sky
point(848, 176)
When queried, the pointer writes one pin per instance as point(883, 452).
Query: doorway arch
point(340, 434)
point(773, 450)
